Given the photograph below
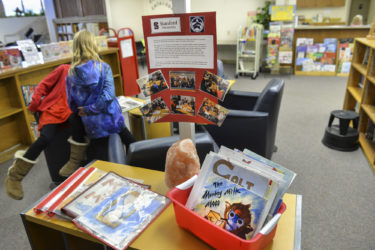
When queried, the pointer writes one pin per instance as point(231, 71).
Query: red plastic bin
point(210, 233)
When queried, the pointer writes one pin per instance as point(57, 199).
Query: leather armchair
point(252, 119)
point(151, 153)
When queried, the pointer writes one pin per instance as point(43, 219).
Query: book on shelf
point(14, 56)
point(366, 56)
point(27, 92)
point(65, 50)
point(29, 52)
point(123, 214)
point(233, 195)
point(128, 103)
point(4, 59)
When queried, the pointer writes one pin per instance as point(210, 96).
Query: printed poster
point(182, 47)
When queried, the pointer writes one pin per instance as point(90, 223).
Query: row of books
point(280, 43)
point(11, 56)
point(322, 56)
point(62, 49)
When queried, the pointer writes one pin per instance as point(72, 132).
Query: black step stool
point(342, 137)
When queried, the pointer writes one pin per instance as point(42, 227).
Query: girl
point(50, 100)
point(91, 97)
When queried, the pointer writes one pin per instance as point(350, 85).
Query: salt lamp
point(182, 163)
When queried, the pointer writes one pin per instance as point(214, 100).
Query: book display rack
point(360, 94)
point(15, 119)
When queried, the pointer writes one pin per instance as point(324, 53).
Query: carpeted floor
point(338, 205)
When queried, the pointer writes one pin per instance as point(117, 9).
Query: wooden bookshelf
point(15, 119)
point(360, 94)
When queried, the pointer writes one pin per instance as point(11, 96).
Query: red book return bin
point(212, 234)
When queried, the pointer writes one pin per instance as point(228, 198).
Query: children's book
point(119, 218)
point(234, 197)
point(29, 51)
point(288, 177)
point(128, 103)
point(14, 56)
point(102, 42)
point(89, 178)
point(27, 92)
point(328, 58)
point(4, 59)
point(97, 192)
point(65, 49)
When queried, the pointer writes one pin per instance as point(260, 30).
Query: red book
point(4, 59)
point(14, 57)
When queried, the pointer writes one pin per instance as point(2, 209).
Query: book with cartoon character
point(233, 196)
point(123, 215)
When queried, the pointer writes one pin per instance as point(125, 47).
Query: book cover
point(85, 181)
point(288, 177)
point(285, 57)
point(4, 59)
point(65, 49)
point(328, 58)
point(14, 57)
point(119, 218)
point(96, 193)
point(27, 92)
point(102, 42)
point(55, 194)
point(232, 196)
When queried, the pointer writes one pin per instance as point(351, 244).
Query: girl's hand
point(81, 112)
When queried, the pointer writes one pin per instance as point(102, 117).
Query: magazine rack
point(212, 234)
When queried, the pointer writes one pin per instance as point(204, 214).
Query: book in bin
point(232, 195)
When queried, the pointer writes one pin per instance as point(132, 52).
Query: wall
point(335, 12)
point(128, 13)
point(13, 25)
point(229, 15)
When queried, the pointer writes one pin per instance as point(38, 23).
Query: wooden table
point(163, 233)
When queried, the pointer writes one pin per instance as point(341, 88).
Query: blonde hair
point(84, 49)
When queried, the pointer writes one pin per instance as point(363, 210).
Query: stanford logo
point(197, 24)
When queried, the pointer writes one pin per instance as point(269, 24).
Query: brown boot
point(77, 155)
point(19, 169)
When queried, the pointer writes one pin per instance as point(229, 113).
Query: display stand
point(280, 39)
point(123, 39)
point(248, 50)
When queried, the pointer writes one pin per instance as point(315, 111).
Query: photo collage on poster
point(181, 104)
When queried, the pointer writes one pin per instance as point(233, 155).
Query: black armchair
point(252, 119)
point(151, 153)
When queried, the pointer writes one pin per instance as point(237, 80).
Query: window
point(25, 7)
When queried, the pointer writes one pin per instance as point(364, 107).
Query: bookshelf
point(68, 26)
point(15, 119)
point(360, 94)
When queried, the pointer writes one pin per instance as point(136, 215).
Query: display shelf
point(15, 119)
point(360, 94)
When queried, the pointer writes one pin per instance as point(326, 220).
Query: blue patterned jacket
point(93, 89)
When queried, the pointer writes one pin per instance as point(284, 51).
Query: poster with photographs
point(213, 112)
point(152, 83)
point(155, 110)
point(184, 105)
point(214, 85)
point(182, 80)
